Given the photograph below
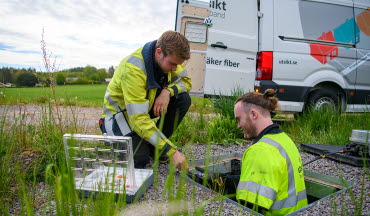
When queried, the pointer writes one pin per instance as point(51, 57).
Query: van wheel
point(323, 99)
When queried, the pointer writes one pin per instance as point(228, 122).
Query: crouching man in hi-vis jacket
point(150, 83)
point(271, 177)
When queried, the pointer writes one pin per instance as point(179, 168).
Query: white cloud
point(98, 33)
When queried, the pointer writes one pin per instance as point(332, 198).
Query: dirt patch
point(85, 118)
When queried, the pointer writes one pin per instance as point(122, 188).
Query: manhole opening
point(318, 186)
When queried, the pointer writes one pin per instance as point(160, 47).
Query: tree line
point(76, 75)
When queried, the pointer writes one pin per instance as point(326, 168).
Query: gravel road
point(86, 118)
point(155, 203)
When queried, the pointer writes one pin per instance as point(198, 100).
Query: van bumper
point(290, 106)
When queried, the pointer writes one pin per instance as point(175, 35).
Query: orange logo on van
point(363, 21)
point(320, 51)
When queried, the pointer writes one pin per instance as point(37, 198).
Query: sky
point(77, 33)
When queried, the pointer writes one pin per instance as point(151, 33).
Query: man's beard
point(250, 132)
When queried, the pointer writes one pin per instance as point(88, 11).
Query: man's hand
point(161, 103)
point(180, 162)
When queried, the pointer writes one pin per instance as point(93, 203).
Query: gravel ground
point(339, 205)
point(155, 203)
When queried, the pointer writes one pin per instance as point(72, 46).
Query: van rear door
point(232, 46)
point(362, 65)
point(190, 22)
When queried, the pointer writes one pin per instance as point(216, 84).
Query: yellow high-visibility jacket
point(132, 92)
point(272, 175)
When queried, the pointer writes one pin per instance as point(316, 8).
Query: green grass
point(326, 127)
point(91, 95)
point(207, 124)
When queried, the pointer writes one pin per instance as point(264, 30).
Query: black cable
point(322, 156)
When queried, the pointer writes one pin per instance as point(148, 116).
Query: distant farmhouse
point(70, 79)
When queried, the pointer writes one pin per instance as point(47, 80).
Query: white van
point(313, 52)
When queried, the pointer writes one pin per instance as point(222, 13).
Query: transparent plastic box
point(105, 164)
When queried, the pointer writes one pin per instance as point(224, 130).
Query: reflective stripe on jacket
point(132, 91)
point(272, 175)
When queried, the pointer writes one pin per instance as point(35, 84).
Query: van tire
point(320, 98)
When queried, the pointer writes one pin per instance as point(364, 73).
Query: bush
point(79, 81)
point(42, 99)
point(225, 130)
point(60, 79)
point(27, 79)
point(225, 104)
point(94, 77)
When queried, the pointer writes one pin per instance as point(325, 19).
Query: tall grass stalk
point(51, 69)
point(7, 148)
point(26, 201)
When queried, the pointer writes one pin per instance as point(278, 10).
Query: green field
point(90, 95)
point(80, 95)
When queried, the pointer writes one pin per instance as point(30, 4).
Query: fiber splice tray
point(318, 186)
point(104, 164)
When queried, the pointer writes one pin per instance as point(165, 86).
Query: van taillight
point(264, 66)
